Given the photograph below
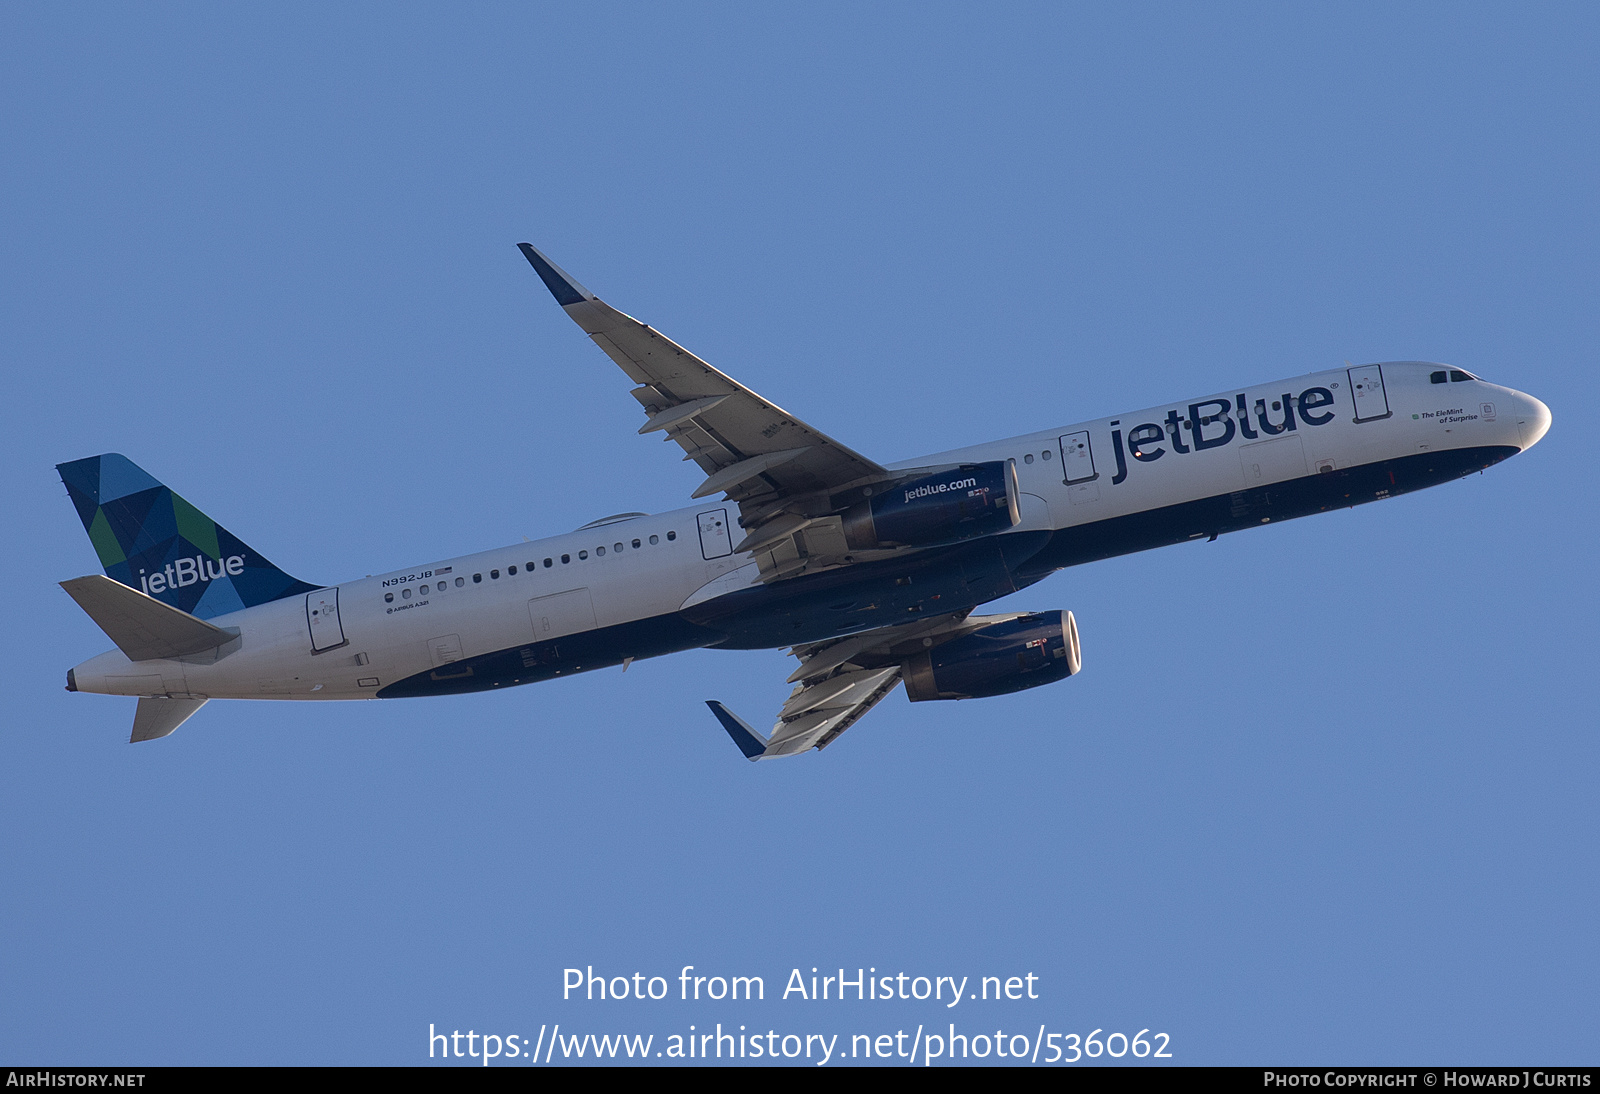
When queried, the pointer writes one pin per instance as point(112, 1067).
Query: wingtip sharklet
point(751, 743)
point(562, 286)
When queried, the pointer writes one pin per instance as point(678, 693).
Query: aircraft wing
point(839, 680)
point(756, 453)
point(819, 713)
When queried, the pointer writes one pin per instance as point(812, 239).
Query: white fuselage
point(394, 626)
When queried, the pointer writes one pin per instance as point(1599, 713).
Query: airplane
point(868, 573)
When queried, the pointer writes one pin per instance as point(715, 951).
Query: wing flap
point(736, 474)
point(849, 717)
point(835, 692)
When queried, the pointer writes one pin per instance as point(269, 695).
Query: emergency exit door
point(1077, 458)
point(1366, 386)
point(322, 617)
point(715, 537)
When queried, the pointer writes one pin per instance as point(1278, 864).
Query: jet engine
point(975, 499)
point(1015, 655)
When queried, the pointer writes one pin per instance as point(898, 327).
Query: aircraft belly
point(530, 662)
point(862, 597)
point(1234, 511)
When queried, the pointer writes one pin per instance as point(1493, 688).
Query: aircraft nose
point(1533, 418)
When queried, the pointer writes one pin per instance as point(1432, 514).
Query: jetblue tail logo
point(188, 571)
point(152, 540)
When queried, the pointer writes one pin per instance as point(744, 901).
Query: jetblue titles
point(1213, 423)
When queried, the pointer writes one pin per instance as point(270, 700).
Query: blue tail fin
point(152, 540)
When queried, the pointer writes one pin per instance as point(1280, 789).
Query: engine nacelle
point(975, 499)
point(1012, 656)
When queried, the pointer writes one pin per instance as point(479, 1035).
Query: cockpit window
point(1436, 377)
point(1456, 376)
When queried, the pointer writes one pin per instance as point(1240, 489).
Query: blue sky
point(1323, 793)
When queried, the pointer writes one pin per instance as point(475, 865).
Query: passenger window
point(405, 594)
point(598, 551)
point(1028, 458)
point(495, 574)
point(617, 548)
point(549, 563)
point(565, 559)
point(672, 535)
point(511, 571)
point(655, 539)
point(635, 545)
point(460, 581)
point(1045, 455)
point(1436, 377)
point(1456, 376)
point(477, 579)
point(424, 590)
point(583, 555)
point(388, 598)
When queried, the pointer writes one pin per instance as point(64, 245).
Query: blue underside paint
point(597, 649)
point(855, 598)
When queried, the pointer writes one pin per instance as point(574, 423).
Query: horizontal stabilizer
point(751, 743)
point(143, 627)
point(159, 717)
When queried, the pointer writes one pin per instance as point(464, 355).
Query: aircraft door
point(1267, 462)
point(561, 614)
point(322, 617)
point(715, 539)
point(1077, 458)
point(1366, 386)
